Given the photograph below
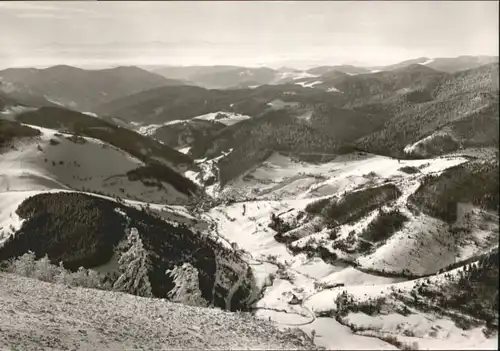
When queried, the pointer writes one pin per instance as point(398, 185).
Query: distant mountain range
point(84, 90)
point(222, 77)
point(384, 112)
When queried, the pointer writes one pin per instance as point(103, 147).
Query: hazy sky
point(300, 34)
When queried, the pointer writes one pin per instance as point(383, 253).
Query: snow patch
point(427, 62)
point(309, 84)
point(185, 150)
point(227, 118)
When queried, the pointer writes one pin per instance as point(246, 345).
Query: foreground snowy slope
point(38, 315)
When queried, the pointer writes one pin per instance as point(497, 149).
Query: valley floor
point(284, 187)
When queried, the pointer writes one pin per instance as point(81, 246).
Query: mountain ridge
point(79, 88)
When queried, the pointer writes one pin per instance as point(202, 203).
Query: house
point(295, 300)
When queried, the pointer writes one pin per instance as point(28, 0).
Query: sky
point(299, 34)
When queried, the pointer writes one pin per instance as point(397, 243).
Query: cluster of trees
point(409, 170)
point(57, 221)
point(345, 125)
point(475, 182)
point(384, 225)
point(193, 133)
point(10, 130)
point(84, 230)
point(469, 297)
point(131, 277)
point(475, 292)
point(43, 269)
point(161, 173)
point(473, 80)
point(346, 303)
point(354, 205)
point(470, 111)
point(279, 225)
point(453, 102)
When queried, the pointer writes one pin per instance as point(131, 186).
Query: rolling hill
point(347, 69)
point(77, 88)
point(372, 87)
point(306, 132)
point(224, 77)
point(81, 124)
point(9, 96)
point(184, 102)
point(188, 133)
point(88, 154)
point(460, 63)
point(386, 112)
point(443, 64)
point(451, 106)
point(40, 158)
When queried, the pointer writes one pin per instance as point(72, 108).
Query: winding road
point(311, 314)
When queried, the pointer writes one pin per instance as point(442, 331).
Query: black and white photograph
point(249, 175)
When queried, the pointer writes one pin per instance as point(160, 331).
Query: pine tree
point(44, 270)
point(187, 289)
point(134, 267)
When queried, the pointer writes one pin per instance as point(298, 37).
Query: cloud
point(31, 15)
point(45, 6)
point(234, 32)
point(30, 6)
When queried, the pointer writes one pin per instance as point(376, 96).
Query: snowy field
point(227, 118)
point(52, 161)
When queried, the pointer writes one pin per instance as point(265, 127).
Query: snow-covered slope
point(309, 84)
point(53, 161)
point(282, 177)
point(9, 220)
point(38, 315)
point(287, 76)
point(227, 118)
